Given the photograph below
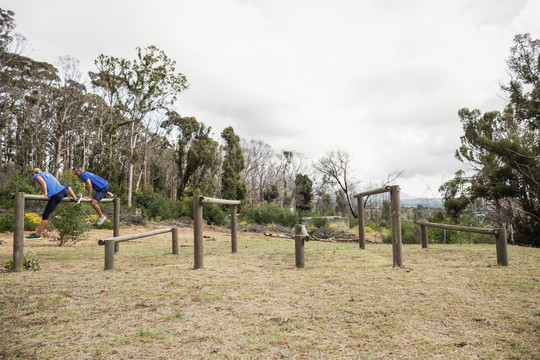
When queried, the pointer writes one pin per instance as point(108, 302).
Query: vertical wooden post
point(396, 225)
point(501, 246)
point(361, 229)
point(197, 232)
point(116, 223)
point(299, 251)
point(109, 254)
point(424, 236)
point(174, 241)
point(18, 232)
point(234, 237)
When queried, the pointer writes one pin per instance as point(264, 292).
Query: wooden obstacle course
point(18, 222)
point(198, 202)
point(499, 233)
point(110, 243)
point(300, 237)
point(396, 220)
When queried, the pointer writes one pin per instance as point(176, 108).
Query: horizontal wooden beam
point(209, 200)
point(66, 199)
point(472, 229)
point(373, 192)
point(135, 236)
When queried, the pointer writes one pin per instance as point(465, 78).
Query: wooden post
point(197, 233)
point(501, 246)
point(116, 223)
point(396, 225)
point(234, 236)
point(109, 254)
point(174, 240)
point(18, 233)
point(361, 229)
point(299, 251)
point(424, 236)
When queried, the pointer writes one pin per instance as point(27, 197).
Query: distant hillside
point(427, 202)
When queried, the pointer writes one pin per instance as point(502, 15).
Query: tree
point(271, 193)
point(455, 194)
point(504, 148)
point(232, 186)
point(136, 89)
point(336, 167)
point(303, 193)
point(196, 150)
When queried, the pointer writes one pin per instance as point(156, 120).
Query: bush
point(28, 264)
point(319, 221)
point(409, 233)
point(213, 214)
point(269, 213)
point(31, 221)
point(69, 218)
point(6, 223)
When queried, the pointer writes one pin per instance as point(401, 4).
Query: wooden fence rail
point(198, 202)
point(396, 220)
point(18, 223)
point(499, 233)
point(111, 242)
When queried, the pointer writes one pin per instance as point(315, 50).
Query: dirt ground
point(449, 301)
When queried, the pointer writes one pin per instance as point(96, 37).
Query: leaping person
point(55, 192)
point(101, 186)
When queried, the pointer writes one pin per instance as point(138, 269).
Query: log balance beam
point(111, 242)
point(499, 233)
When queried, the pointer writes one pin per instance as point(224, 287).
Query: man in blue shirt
point(101, 186)
point(55, 192)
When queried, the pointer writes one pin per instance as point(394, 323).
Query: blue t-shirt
point(98, 183)
point(53, 186)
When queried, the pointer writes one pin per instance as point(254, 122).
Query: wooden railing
point(499, 233)
point(110, 243)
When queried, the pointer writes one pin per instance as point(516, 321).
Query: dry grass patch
point(450, 302)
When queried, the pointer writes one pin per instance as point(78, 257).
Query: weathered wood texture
point(116, 222)
point(109, 254)
point(478, 230)
point(396, 226)
point(209, 200)
point(18, 232)
point(361, 224)
point(373, 192)
point(234, 234)
point(136, 236)
point(66, 199)
point(197, 233)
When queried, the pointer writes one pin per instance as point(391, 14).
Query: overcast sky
point(382, 80)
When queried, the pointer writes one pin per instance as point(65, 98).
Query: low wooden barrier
point(198, 202)
point(499, 233)
point(300, 237)
point(396, 220)
point(18, 222)
point(111, 242)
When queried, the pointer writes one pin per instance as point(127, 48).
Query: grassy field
point(448, 302)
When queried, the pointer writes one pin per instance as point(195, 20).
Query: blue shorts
point(100, 194)
point(54, 201)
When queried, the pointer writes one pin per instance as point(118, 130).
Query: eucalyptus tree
point(135, 89)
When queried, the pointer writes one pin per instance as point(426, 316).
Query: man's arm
point(89, 187)
point(43, 184)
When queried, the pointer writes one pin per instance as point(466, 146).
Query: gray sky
point(380, 79)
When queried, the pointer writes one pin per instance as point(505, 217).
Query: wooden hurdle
point(499, 233)
point(198, 202)
point(18, 222)
point(111, 242)
point(396, 220)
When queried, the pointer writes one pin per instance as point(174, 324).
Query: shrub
point(268, 213)
point(213, 215)
point(6, 223)
point(31, 221)
point(69, 218)
point(409, 233)
point(319, 221)
point(28, 264)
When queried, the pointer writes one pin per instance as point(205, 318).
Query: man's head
point(78, 171)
